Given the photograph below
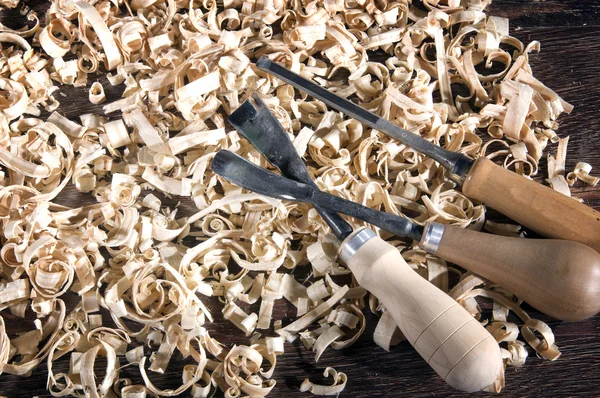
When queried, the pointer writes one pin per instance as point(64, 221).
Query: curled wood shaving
point(290, 330)
point(582, 172)
point(545, 347)
point(387, 333)
point(339, 383)
point(9, 3)
point(97, 95)
point(556, 168)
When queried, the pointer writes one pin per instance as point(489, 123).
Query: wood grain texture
point(548, 13)
point(559, 278)
point(534, 205)
point(568, 63)
point(452, 342)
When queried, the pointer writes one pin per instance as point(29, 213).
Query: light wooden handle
point(558, 277)
point(454, 344)
point(534, 205)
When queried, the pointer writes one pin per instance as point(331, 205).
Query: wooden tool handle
point(534, 205)
point(454, 344)
point(558, 277)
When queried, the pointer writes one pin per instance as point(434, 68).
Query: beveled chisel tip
point(264, 63)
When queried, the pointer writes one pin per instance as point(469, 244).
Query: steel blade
point(254, 178)
point(260, 127)
point(457, 164)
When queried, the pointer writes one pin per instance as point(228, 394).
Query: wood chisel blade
point(254, 178)
point(457, 164)
point(260, 127)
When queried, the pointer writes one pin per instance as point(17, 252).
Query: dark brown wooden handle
point(534, 205)
point(558, 277)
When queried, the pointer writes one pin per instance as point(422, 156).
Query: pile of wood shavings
point(447, 72)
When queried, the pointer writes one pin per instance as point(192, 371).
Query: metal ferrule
point(461, 165)
point(432, 236)
point(354, 242)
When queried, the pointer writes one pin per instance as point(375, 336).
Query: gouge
point(454, 343)
point(534, 205)
point(559, 278)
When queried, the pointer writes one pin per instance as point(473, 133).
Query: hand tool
point(454, 343)
point(461, 351)
point(534, 205)
point(559, 278)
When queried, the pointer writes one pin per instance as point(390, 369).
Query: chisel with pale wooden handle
point(452, 342)
point(560, 278)
point(536, 206)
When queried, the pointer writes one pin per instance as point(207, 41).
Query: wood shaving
point(9, 3)
point(97, 95)
point(339, 383)
point(181, 68)
point(582, 172)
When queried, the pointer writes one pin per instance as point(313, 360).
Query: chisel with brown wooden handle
point(536, 206)
point(560, 278)
point(452, 342)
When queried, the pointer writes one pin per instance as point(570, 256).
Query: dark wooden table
point(569, 64)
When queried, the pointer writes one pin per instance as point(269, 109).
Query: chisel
point(453, 343)
point(559, 278)
point(534, 205)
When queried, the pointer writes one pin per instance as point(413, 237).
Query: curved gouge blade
point(255, 122)
point(250, 176)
